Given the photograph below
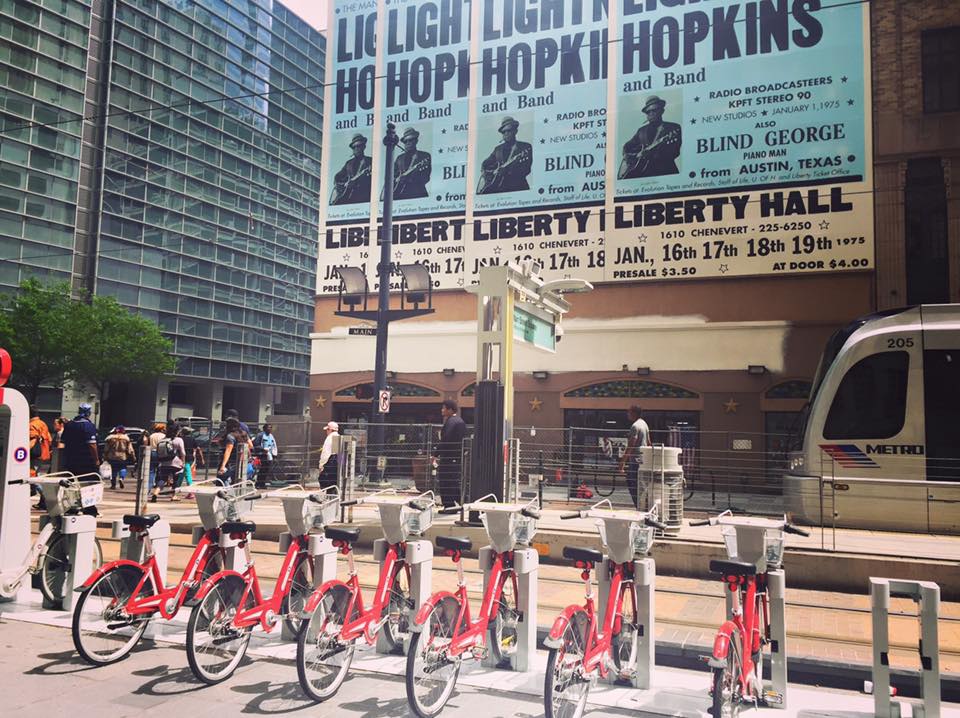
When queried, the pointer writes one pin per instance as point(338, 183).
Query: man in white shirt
point(639, 436)
point(328, 455)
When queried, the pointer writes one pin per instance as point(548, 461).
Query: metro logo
point(896, 449)
point(849, 456)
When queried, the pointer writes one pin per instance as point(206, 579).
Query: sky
point(314, 12)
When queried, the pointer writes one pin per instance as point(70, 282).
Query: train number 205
point(900, 343)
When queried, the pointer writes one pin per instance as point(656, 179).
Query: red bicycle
point(338, 619)
point(448, 635)
point(754, 547)
point(230, 604)
point(120, 599)
point(580, 650)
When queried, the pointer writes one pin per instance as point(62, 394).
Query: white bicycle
point(65, 495)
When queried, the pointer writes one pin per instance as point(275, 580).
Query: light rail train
point(879, 439)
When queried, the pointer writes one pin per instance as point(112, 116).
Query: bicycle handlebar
point(571, 515)
point(530, 513)
point(352, 502)
point(450, 510)
point(791, 529)
point(417, 505)
point(653, 523)
point(704, 522)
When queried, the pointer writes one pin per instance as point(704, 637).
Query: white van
point(879, 439)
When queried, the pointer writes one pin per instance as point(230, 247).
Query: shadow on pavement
point(374, 707)
point(168, 682)
point(274, 699)
point(62, 663)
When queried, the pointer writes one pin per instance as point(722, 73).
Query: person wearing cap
point(79, 440)
point(507, 167)
point(351, 185)
point(653, 150)
point(411, 168)
point(328, 456)
point(118, 452)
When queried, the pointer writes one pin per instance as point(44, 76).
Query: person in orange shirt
point(40, 442)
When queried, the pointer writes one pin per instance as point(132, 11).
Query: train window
point(871, 400)
point(941, 401)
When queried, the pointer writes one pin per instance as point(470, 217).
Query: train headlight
point(796, 463)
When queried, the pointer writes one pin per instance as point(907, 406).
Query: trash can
point(662, 475)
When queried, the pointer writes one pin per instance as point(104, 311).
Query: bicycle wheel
point(103, 632)
point(625, 643)
point(396, 629)
point(215, 646)
point(55, 566)
point(323, 659)
point(726, 683)
point(506, 618)
point(431, 673)
point(301, 588)
point(565, 687)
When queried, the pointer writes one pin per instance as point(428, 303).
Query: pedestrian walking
point(448, 452)
point(171, 455)
point(118, 452)
point(79, 438)
point(152, 441)
point(235, 437)
point(265, 446)
point(40, 443)
point(329, 463)
point(194, 453)
point(639, 436)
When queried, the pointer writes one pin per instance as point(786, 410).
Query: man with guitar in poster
point(652, 151)
point(351, 185)
point(411, 168)
point(507, 167)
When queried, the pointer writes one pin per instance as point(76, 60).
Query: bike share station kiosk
point(79, 530)
point(514, 304)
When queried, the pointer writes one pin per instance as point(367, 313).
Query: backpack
point(258, 441)
point(165, 450)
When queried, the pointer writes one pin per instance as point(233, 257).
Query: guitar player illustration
point(411, 168)
point(507, 167)
point(652, 151)
point(351, 185)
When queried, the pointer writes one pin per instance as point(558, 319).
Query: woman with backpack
point(171, 454)
point(235, 437)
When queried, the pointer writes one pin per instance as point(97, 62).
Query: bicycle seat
point(238, 527)
point(349, 536)
point(733, 568)
point(140, 522)
point(454, 543)
point(587, 555)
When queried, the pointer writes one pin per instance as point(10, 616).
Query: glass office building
point(200, 212)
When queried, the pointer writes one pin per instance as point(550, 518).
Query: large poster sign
point(613, 140)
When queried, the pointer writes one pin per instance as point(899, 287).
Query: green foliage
point(36, 329)
point(119, 345)
point(53, 339)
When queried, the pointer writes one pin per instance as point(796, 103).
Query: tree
point(117, 345)
point(36, 329)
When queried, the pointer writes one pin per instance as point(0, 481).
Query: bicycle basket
point(215, 510)
point(304, 516)
point(417, 521)
point(774, 548)
point(730, 539)
point(623, 539)
point(80, 496)
point(508, 528)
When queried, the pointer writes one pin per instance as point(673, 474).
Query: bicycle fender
point(721, 645)
point(207, 585)
point(311, 605)
point(560, 624)
point(109, 567)
point(424, 612)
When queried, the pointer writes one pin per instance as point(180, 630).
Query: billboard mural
point(613, 140)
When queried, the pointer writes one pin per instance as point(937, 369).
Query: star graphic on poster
point(398, 255)
point(320, 401)
point(443, 131)
point(497, 250)
point(546, 120)
point(764, 113)
point(824, 224)
point(346, 258)
point(440, 150)
point(730, 406)
point(693, 120)
point(641, 238)
point(536, 403)
point(543, 141)
point(724, 269)
point(696, 99)
point(850, 102)
point(459, 281)
point(843, 79)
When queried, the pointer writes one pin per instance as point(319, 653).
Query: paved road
point(41, 676)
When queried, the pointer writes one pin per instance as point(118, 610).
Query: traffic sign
point(384, 402)
point(362, 331)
